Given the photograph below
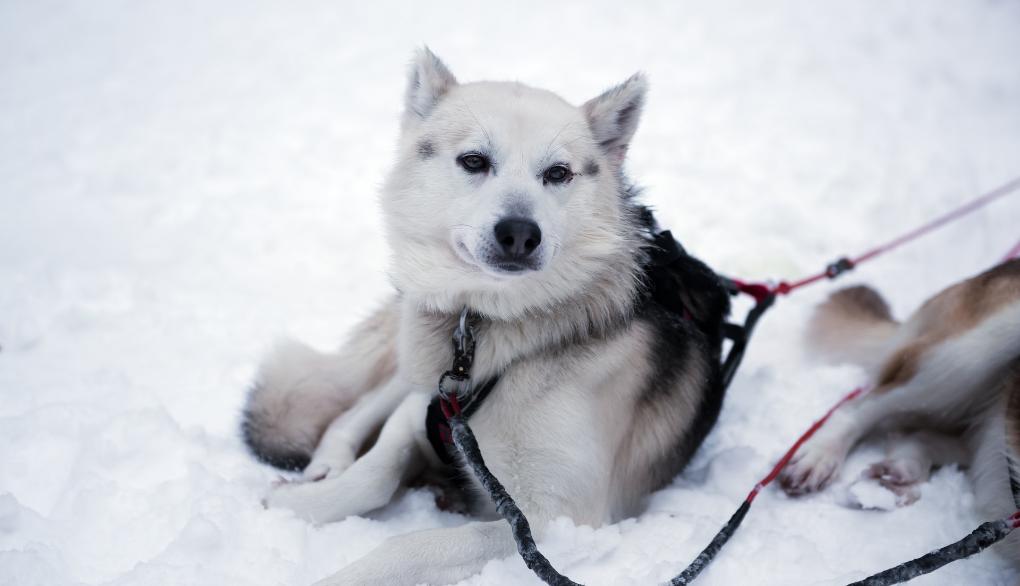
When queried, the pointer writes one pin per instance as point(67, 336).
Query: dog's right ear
point(429, 80)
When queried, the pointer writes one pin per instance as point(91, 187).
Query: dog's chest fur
point(562, 404)
point(616, 401)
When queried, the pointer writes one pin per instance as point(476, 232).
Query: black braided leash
point(708, 554)
point(986, 535)
point(450, 398)
point(466, 444)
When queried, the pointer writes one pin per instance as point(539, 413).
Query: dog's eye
point(474, 163)
point(557, 174)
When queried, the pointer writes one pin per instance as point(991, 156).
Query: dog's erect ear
point(427, 82)
point(613, 116)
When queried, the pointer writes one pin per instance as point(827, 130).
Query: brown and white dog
point(947, 380)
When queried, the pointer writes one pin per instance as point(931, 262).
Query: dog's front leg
point(347, 433)
point(433, 556)
point(371, 481)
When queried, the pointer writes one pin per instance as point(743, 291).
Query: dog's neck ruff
point(457, 395)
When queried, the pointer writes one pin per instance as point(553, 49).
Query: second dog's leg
point(820, 459)
point(371, 481)
point(942, 384)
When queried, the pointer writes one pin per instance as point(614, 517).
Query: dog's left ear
point(613, 116)
point(427, 82)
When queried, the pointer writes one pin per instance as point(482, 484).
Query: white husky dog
point(506, 200)
point(947, 381)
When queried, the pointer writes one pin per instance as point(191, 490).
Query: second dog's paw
point(873, 492)
point(901, 476)
point(897, 472)
point(813, 469)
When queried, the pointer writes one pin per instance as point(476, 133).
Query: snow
point(182, 183)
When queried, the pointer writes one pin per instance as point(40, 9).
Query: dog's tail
point(853, 325)
point(298, 391)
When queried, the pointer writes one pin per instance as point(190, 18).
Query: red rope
point(1013, 253)
point(760, 291)
point(975, 204)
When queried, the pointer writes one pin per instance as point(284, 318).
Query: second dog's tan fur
point(948, 376)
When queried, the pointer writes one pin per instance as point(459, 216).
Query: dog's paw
point(323, 467)
point(816, 466)
point(292, 496)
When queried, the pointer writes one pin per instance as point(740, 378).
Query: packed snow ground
point(182, 183)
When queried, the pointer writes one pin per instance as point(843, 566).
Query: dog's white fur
point(947, 380)
point(567, 429)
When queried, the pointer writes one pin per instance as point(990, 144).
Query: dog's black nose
point(518, 237)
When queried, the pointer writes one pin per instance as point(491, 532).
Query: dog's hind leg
point(371, 481)
point(938, 394)
point(299, 391)
point(818, 461)
point(944, 382)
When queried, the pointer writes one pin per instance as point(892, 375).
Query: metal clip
point(463, 348)
point(463, 337)
point(457, 380)
point(839, 267)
